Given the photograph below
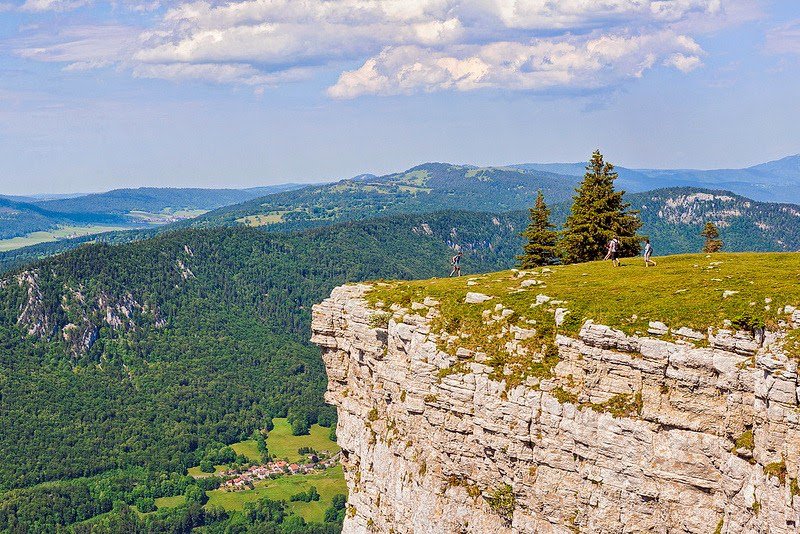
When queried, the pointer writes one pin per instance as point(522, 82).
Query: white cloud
point(52, 5)
point(81, 47)
point(577, 63)
point(406, 45)
point(218, 73)
point(784, 39)
point(683, 62)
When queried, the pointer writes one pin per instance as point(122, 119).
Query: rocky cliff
point(675, 430)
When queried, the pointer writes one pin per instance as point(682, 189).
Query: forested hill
point(425, 188)
point(150, 352)
point(155, 199)
point(18, 218)
point(673, 217)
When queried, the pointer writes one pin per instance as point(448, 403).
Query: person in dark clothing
point(456, 263)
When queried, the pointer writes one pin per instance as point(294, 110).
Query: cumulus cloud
point(412, 45)
point(538, 65)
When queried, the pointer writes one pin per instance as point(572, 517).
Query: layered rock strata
point(629, 434)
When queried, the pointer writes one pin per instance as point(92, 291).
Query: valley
point(156, 353)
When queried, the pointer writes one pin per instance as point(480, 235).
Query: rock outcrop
point(629, 434)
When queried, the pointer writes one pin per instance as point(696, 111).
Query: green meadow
point(62, 232)
point(282, 444)
point(328, 483)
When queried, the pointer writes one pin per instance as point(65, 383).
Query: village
point(241, 480)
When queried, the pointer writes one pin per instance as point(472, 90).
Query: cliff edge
point(571, 399)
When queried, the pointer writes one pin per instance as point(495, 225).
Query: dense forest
point(149, 354)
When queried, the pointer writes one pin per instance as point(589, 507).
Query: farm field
point(282, 444)
point(170, 502)
point(328, 483)
point(62, 232)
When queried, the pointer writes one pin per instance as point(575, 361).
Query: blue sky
point(97, 95)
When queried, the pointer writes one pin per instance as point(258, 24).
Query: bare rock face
point(630, 434)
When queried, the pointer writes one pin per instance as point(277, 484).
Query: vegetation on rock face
point(598, 214)
point(502, 501)
point(540, 236)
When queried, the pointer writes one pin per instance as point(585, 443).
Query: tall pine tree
point(598, 214)
point(541, 237)
point(713, 243)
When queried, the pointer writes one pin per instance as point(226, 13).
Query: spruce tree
point(541, 237)
point(713, 242)
point(598, 214)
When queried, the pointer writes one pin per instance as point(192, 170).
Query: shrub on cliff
point(502, 501)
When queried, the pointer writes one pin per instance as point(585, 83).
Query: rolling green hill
point(425, 188)
point(93, 213)
point(157, 199)
point(20, 218)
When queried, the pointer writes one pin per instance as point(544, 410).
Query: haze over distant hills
point(774, 181)
point(132, 208)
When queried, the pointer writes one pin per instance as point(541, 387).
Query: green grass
point(170, 502)
point(684, 290)
point(248, 448)
point(328, 483)
point(62, 232)
point(181, 213)
point(196, 473)
point(282, 444)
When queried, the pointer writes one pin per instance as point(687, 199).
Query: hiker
point(613, 251)
point(648, 251)
point(456, 263)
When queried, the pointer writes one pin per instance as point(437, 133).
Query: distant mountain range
point(133, 208)
point(427, 188)
point(774, 181)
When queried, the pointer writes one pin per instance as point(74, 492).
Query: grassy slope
point(328, 483)
point(282, 444)
point(48, 236)
point(684, 290)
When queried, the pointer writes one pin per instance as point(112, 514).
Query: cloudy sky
point(96, 95)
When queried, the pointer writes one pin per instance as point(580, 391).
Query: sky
point(200, 93)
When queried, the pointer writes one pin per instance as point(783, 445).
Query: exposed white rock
point(657, 328)
point(441, 445)
point(476, 298)
point(688, 333)
point(728, 293)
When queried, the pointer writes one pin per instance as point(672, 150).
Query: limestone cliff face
point(630, 434)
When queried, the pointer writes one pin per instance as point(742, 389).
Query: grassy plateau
point(697, 291)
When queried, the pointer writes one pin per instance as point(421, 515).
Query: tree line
point(598, 214)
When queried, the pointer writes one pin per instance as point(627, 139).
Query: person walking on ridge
point(456, 263)
point(613, 251)
point(648, 252)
